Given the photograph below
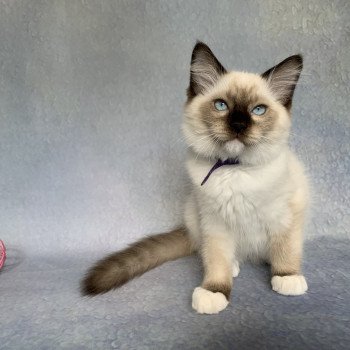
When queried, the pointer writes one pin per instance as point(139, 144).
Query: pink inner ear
point(2, 254)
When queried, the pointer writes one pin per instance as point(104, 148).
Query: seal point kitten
point(249, 193)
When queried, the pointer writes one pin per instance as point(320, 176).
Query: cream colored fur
point(253, 210)
point(246, 211)
point(206, 302)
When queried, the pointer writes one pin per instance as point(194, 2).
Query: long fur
point(120, 267)
point(251, 211)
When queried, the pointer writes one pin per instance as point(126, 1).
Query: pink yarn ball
point(2, 253)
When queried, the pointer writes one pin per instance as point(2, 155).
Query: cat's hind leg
point(235, 268)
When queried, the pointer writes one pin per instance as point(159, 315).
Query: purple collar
point(217, 165)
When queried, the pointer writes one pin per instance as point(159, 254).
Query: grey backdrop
point(91, 98)
point(91, 103)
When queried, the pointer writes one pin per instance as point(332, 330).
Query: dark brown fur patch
point(289, 83)
point(239, 101)
point(120, 267)
point(224, 288)
point(282, 274)
point(207, 57)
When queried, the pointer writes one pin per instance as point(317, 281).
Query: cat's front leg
point(285, 258)
point(217, 256)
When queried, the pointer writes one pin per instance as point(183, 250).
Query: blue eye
point(220, 105)
point(259, 110)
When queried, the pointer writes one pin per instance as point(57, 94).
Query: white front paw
point(235, 268)
point(206, 302)
point(289, 285)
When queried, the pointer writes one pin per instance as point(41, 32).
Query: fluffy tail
point(120, 267)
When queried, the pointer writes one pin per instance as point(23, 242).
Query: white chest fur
point(251, 201)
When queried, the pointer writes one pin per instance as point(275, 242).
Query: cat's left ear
point(205, 70)
point(283, 78)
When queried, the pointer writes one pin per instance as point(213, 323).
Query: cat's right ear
point(205, 70)
point(283, 78)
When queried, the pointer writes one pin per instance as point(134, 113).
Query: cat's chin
point(234, 147)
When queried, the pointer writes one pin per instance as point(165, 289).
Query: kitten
point(249, 193)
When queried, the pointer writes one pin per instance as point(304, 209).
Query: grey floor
point(92, 158)
point(43, 309)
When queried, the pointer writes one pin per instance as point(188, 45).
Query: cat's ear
point(283, 78)
point(205, 70)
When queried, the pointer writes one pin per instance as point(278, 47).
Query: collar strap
point(219, 164)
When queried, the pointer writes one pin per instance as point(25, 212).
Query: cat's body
point(251, 202)
point(253, 208)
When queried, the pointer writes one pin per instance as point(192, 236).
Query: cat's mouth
point(234, 147)
point(233, 137)
point(231, 142)
point(241, 138)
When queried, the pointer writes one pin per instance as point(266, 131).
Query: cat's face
point(236, 114)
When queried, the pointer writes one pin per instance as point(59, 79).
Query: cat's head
point(238, 114)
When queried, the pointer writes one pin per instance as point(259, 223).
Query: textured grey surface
point(43, 309)
point(91, 154)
